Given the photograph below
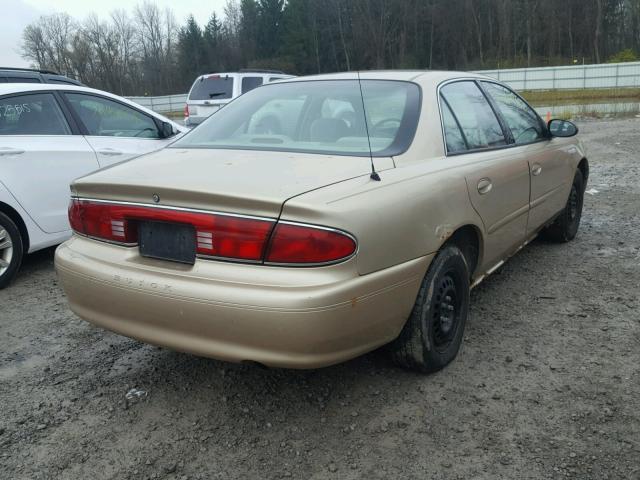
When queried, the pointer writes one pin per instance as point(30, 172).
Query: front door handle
point(536, 169)
point(109, 152)
point(10, 151)
point(484, 186)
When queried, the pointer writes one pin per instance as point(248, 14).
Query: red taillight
point(186, 111)
point(225, 236)
point(301, 244)
point(217, 235)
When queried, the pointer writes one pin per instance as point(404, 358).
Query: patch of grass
point(586, 95)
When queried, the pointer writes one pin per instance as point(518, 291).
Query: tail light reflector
point(302, 244)
point(186, 110)
point(224, 236)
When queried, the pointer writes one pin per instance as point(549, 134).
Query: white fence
point(164, 104)
point(607, 75)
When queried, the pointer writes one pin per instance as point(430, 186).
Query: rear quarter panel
point(409, 214)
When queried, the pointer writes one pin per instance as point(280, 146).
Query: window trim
point(83, 128)
point(70, 121)
point(477, 81)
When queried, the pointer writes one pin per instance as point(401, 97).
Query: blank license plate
point(168, 241)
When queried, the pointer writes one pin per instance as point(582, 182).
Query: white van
point(212, 91)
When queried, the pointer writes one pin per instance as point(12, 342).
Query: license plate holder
point(168, 241)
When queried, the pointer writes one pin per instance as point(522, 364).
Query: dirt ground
point(547, 384)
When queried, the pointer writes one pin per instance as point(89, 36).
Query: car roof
point(16, 88)
point(246, 74)
point(402, 75)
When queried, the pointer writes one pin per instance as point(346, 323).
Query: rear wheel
point(10, 250)
point(565, 227)
point(431, 338)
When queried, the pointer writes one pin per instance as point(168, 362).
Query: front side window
point(316, 117)
point(522, 120)
point(107, 118)
point(479, 123)
point(37, 114)
point(249, 83)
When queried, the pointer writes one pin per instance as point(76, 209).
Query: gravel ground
point(547, 384)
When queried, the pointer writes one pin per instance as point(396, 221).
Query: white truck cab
point(212, 91)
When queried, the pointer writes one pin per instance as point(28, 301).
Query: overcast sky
point(19, 13)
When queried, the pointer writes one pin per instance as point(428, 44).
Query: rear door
point(497, 176)
point(115, 130)
point(549, 162)
point(40, 156)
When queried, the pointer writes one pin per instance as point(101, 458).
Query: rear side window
point(61, 81)
point(475, 116)
point(522, 120)
point(212, 87)
point(106, 118)
point(453, 135)
point(37, 114)
point(23, 80)
point(249, 83)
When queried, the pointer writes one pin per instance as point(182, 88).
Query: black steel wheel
point(432, 336)
point(565, 227)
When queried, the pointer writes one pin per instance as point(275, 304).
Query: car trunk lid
point(234, 181)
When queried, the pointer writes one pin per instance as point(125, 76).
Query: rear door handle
point(109, 152)
point(536, 169)
point(484, 186)
point(10, 151)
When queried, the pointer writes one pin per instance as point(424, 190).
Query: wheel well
point(467, 238)
point(584, 169)
point(17, 219)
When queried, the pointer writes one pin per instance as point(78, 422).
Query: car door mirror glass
point(562, 128)
point(166, 130)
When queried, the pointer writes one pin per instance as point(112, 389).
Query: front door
point(116, 131)
point(547, 159)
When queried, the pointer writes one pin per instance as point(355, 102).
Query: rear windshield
point(212, 87)
point(324, 116)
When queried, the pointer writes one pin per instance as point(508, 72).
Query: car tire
point(432, 336)
point(565, 226)
point(11, 250)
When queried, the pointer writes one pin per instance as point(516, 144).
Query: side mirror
point(562, 128)
point(166, 130)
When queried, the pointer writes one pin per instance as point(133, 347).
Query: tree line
point(146, 51)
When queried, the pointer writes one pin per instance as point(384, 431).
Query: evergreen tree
point(191, 51)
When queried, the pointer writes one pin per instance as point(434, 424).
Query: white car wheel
point(6, 251)
point(11, 250)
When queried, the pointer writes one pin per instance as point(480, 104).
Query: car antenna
point(374, 174)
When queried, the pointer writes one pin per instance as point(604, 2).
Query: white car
point(210, 92)
point(49, 136)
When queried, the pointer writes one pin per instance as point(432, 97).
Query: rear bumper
point(282, 317)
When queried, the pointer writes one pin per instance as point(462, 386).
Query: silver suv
point(212, 91)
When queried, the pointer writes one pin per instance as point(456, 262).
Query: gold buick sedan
point(318, 218)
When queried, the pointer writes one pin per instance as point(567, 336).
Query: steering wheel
point(525, 131)
point(147, 129)
point(386, 123)
point(269, 125)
